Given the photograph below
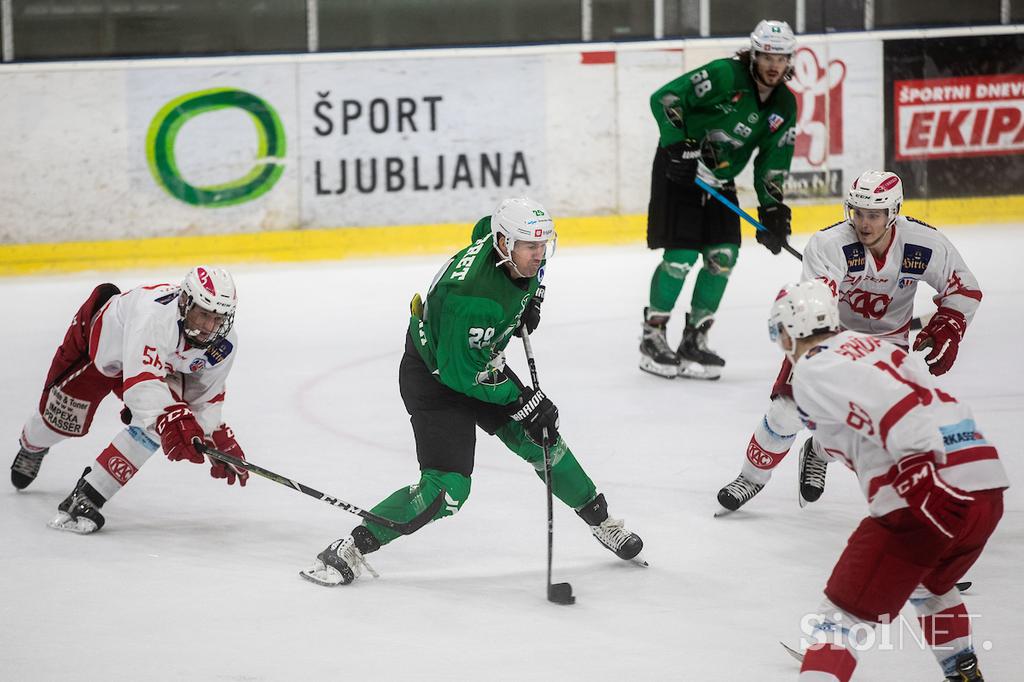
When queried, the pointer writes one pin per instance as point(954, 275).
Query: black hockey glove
point(776, 218)
point(682, 162)
point(536, 413)
point(531, 315)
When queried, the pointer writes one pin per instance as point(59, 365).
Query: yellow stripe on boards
point(368, 242)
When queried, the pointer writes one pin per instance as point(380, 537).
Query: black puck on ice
point(561, 593)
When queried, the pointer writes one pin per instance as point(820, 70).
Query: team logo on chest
point(197, 365)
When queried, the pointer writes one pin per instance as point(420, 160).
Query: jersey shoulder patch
point(854, 257)
point(166, 298)
point(219, 351)
point(915, 259)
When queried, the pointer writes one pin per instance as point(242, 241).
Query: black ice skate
point(343, 561)
point(25, 467)
point(611, 532)
point(80, 511)
point(737, 494)
point(696, 361)
point(966, 669)
point(812, 473)
point(656, 356)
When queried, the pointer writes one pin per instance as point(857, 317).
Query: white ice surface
point(191, 579)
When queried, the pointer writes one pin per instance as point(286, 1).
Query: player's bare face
point(527, 257)
point(871, 225)
point(202, 325)
point(771, 67)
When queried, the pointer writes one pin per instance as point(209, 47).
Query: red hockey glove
point(942, 335)
point(224, 440)
point(931, 500)
point(177, 427)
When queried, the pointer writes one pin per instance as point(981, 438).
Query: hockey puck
point(561, 593)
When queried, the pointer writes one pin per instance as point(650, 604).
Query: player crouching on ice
point(166, 351)
point(934, 485)
point(873, 261)
point(453, 378)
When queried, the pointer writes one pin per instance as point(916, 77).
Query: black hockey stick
point(406, 528)
point(915, 323)
point(559, 593)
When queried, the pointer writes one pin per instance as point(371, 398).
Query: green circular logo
point(163, 132)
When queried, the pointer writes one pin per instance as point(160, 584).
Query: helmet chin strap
point(507, 260)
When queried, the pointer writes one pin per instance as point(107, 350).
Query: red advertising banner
point(963, 116)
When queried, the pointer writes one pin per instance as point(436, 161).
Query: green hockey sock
point(569, 482)
point(406, 503)
point(719, 261)
point(669, 277)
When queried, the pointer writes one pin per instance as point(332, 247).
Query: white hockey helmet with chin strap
point(213, 290)
point(878, 190)
point(772, 37)
point(521, 219)
point(803, 309)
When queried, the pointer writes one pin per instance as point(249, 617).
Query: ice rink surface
point(191, 579)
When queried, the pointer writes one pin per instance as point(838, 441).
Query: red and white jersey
point(870, 404)
point(137, 336)
point(877, 296)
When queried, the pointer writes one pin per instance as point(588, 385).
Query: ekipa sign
point(163, 133)
point(965, 116)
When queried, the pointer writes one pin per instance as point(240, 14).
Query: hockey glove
point(942, 335)
point(682, 162)
point(776, 219)
point(177, 428)
point(531, 314)
point(538, 415)
point(932, 500)
point(224, 440)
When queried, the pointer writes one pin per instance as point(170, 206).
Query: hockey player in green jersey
point(453, 378)
point(711, 120)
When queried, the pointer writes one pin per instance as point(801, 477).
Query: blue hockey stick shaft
point(743, 214)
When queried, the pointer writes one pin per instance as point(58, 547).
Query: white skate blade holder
point(63, 521)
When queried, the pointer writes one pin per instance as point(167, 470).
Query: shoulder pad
point(219, 351)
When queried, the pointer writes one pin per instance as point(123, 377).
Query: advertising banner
point(955, 114)
point(393, 142)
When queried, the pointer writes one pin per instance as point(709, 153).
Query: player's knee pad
point(720, 259)
point(782, 417)
point(456, 490)
point(677, 263)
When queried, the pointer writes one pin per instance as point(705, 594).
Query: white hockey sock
point(946, 625)
point(771, 441)
point(36, 435)
point(120, 461)
point(833, 656)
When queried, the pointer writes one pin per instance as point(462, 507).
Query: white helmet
point(803, 309)
point(521, 219)
point(773, 37)
point(213, 290)
point(876, 189)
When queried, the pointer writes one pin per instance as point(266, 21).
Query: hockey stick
point(407, 528)
point(559, 593)
point(915, 323)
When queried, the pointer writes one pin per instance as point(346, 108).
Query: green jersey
point(718, 105)
point(471, 310)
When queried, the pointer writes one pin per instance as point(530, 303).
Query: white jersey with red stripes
point(877, 296)
point(137, 336)
point(870, 404)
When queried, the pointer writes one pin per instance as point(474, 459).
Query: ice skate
point(343, 561)
point(966, 669)
point(812, 473)
point(80, 511)
point(737, 494)
point(696, 361)
point(656, 356)
point(611, 532)
point(25, 467)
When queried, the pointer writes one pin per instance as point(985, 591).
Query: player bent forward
point(873, 262)
point(453, 378)
point(934, 485)
point(166, 351)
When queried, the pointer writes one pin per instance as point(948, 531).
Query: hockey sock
point(946, 625)
point(569, 482)
point(719, 261)
point(669, 277)
point(772, 440)
point(116, 465)
point(833, 656)
point(406, 503)
point(36, 435)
